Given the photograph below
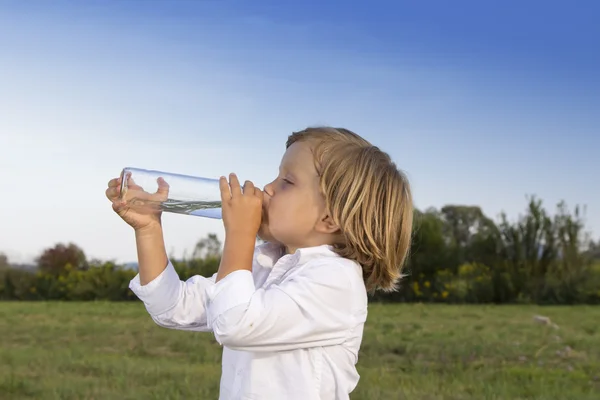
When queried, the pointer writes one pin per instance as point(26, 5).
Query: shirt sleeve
point(173, 303)
point(319, 306)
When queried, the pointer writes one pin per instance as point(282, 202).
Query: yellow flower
point(445, 294)
point(427, 284)
point(416, 288)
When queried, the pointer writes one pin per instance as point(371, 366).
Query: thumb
point(163, 188)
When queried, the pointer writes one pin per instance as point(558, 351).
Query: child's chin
point(265, 234)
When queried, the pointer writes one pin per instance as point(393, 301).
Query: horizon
point(480, 105)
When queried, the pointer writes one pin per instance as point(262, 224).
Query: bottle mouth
point(123, 189)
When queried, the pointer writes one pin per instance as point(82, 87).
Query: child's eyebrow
point(284, 168)
point(286, 171)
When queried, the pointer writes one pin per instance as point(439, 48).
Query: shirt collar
point(269, 253)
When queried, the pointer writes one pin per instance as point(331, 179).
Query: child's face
point(293, 204)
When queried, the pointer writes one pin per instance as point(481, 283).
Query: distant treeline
point(458, 255)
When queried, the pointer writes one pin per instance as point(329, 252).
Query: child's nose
point(268, 189)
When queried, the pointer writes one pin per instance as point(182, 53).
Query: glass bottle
point(180, 194)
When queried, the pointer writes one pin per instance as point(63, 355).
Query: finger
point(131, 183)
point(114, 182)
point(112, 193)
point(259, 194)
point(119, 207)
point(248, 188)
point(163, 189)
point(224, 186)
point(234, 183)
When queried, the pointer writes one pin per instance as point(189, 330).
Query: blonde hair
point(368, 198)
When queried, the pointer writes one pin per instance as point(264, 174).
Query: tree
point(54, 260)
point(209, 247)
point(4, 261)
point(429, 247)
point(471, 234)
point(545, 256)
point(593, 250)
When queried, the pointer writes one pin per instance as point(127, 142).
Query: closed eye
point(287, 181)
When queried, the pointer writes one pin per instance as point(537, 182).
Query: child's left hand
point(242, 212)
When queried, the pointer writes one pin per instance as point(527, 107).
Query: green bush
point(17, 284)
point(106, 281)
point(471, 283)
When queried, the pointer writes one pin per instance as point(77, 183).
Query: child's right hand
point(135, 217)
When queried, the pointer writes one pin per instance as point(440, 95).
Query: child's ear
point(327, 225)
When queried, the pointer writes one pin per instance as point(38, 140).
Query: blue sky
point(479, 103)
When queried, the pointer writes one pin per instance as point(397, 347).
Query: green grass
point(422, 352)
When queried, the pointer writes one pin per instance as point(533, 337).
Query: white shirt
point(290, 329)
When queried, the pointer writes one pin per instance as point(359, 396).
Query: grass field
point(422, 352)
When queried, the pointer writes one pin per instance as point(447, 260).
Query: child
point(289, 313)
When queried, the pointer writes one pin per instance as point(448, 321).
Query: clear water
point(210, 209)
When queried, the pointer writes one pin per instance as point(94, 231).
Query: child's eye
point(287, 181)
